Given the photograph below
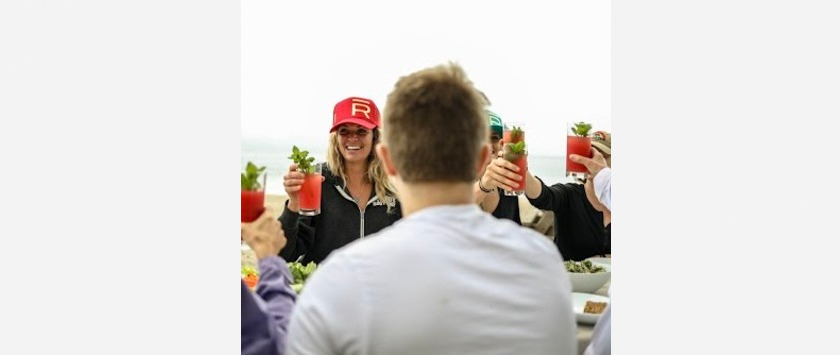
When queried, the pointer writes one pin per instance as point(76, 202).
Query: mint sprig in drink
point(310, 193)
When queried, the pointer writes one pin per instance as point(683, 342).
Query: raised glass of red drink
point(253, 192)
point(521, 161)
point(310, 192)
point(577, 142)
point(515, 152)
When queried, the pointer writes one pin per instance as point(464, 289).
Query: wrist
point(482, 188)
point(293, 205)
point(261, 252)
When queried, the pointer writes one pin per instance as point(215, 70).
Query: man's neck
point(418, 196)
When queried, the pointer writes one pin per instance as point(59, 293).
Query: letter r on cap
point(361, 106)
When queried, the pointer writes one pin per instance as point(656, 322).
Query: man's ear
point(485, 155)
point(385, 157)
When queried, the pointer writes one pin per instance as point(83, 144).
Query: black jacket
point(339, 223)
point(579, 231)
point(508, 207)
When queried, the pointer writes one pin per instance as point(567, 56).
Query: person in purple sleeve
point(265, 316)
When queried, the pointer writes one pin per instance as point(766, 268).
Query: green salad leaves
point(300, 273)
point(248, 271)
point(585, 266)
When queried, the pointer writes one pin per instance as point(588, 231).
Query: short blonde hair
point(435, 125)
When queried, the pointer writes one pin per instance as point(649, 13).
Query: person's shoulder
point(567, 186)
point(539, 240)
point(374, 244)
point(365, 257)
point(570, 188)
point(330, 179)
point(340, 265)
point(326, 171)
point(574, 187)
point(524, 237)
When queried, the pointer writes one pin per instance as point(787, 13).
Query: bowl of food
point(586, 276)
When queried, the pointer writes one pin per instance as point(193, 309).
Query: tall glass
point(253, 201)
point(520, 160)
point(310, 193)
point(580, 145)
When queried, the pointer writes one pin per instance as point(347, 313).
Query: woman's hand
point(292, 183)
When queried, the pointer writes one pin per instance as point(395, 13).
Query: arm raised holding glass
point(506, 175)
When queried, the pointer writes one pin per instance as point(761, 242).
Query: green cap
point(496, 125)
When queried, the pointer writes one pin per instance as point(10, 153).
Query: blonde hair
point(435, 125)
point(375, 172)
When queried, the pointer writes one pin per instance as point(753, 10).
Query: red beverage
point(580, 146)
point(310, 195)
point(522, 164)
point(253, 205)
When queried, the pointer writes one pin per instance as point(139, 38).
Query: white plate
point(579, 301)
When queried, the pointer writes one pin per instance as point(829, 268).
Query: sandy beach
point(275, 203)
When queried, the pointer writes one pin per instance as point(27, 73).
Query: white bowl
point(589, 282)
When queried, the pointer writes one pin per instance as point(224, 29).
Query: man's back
point(445, 280)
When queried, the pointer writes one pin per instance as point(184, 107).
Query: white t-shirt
point(445, 280)
point(601, 343)
point(603, 187)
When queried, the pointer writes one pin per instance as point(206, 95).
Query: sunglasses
point(344, 132)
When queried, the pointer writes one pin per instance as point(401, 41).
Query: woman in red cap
point(357, 199)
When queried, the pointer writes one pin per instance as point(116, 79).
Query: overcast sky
point(539, 66)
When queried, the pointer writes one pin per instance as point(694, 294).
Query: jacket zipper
point(361, 213)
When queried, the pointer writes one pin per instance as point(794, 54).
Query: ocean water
point(274, 155)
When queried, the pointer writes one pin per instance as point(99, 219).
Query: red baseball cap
point(360, 111)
